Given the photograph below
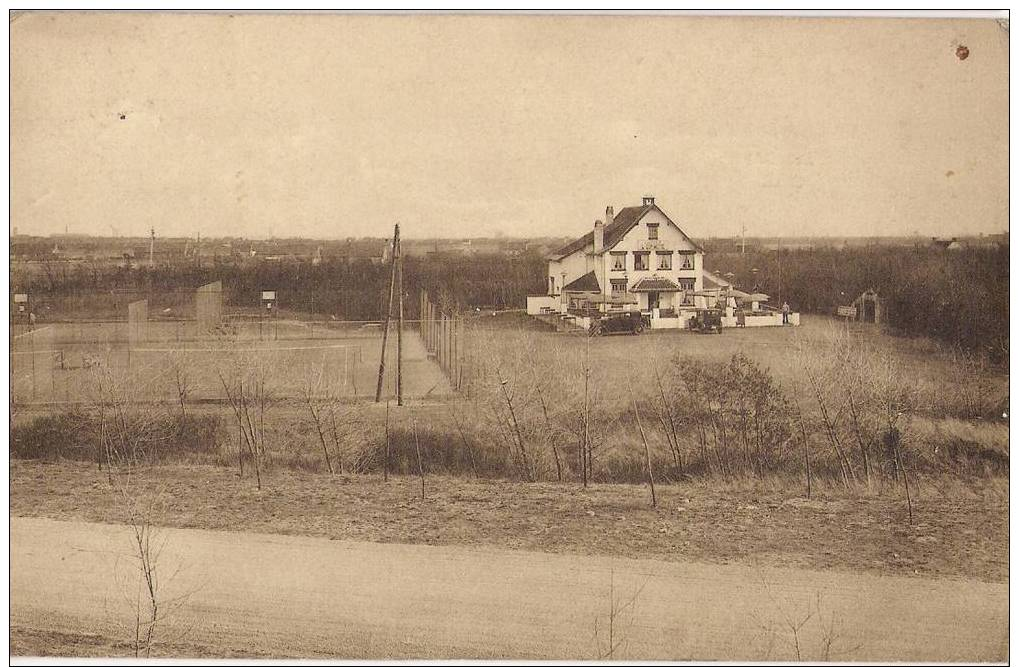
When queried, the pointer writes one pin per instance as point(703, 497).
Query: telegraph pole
point(152, 248)
point(389, 315)
point(780, 268)
point(398, 258)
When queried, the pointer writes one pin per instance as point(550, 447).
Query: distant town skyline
point(335, 126)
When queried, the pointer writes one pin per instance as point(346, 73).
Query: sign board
point(20, 298)
point(847, 311)
point(268, 296)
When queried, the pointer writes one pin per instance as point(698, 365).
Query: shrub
point(138, 436)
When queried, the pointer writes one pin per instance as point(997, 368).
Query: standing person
point(31, 319)
point(741, 317)
point(785, 312)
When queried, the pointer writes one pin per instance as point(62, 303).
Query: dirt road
point(314, 597)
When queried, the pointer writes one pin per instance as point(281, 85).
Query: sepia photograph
point(618, 336)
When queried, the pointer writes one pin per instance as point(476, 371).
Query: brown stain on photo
point(962, 52)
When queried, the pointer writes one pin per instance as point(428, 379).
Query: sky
point(332, 126)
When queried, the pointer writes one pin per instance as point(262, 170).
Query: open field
point(778, 349)
point(959, 530)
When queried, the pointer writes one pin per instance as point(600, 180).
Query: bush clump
point(139, 437)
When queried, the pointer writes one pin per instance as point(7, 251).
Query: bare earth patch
point(963, 533)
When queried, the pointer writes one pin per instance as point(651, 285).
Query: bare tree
point(417, 448)
point(643, 437)
point(248, 388)
point(181, 378)
point(463, 439)
point(310, 394)
point(616, 638)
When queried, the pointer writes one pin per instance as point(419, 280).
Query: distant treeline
point(349, 290)
point(959, 297)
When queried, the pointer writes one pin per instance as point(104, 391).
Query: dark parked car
point(629, 322)
point(707, 321)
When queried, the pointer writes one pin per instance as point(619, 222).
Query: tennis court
point(63, 362)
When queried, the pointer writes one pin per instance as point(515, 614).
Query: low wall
point(535, 304)
point(768, 320)
point(681, 321)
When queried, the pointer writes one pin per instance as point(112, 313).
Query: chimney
point(609, 215)
point(599, 236)
point(649, 200)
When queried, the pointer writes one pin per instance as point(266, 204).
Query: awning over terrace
point(655, 284)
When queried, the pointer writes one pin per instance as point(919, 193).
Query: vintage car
point(628, 322)
point(707, 321)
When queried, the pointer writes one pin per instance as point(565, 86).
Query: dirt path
point(314, 597)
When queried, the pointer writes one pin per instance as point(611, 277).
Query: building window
point(665, 261)
point(640, 261)
point(618, 286)
point(687, 262)
point(652, 231)
point(618, 261)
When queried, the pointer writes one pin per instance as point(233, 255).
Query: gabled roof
point(655, 284)
point(585, 283)
point(621, 224)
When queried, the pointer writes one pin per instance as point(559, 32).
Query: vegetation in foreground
point(959, 530)
point(830, 406)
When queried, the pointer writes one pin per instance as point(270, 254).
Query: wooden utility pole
point(398, 255)
point(780, 270)
point(389, 315)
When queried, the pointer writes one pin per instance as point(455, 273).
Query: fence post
point(456, 349)
point(459, 353)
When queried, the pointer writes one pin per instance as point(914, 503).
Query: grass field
point(931, 368)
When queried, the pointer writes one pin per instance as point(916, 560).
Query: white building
point(638, 256)
point(637, 259)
